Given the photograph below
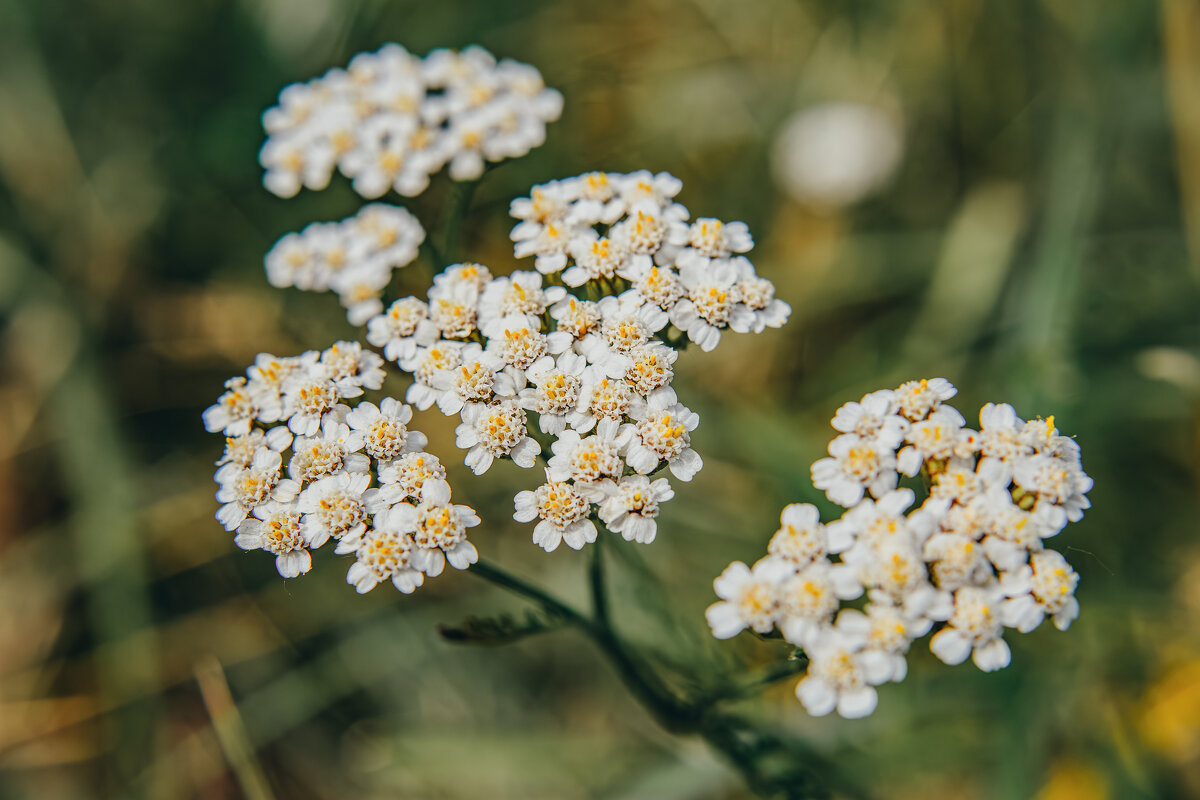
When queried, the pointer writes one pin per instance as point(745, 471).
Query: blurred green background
point(1039, 244)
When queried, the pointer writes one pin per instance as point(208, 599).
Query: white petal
point(950, 646)
point(857, 703)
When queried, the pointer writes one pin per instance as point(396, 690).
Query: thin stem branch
point(743, 685)
point(552, 605)
point(599, 591)
point(750, 749)
point(460, 202)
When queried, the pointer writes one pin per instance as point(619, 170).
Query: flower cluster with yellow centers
point(969, 561)
point(570, 364)
point(390, 120)
point(624, 235)
point(301, 467)
point(354, 257)
point(589, 364)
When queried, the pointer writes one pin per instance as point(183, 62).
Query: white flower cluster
point(301, 467)
point(969, 560)
point(390, 120)
point(626, 234)
point(354, 257)
point(595, 373)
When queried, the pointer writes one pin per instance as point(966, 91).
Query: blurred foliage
point(1033, 249)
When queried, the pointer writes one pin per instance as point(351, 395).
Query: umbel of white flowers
point(970, 561)
point(390, 120)
point(510, 357)
point(585, 359)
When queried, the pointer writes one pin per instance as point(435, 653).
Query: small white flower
point(546, 241)
point(424, 365)
point(334, 449)
point(663, 433)
point(306, 400)
point(871, 524)
point(240, 450)
point(653, 284)
point(244, 489)
point(651, 367)
point(889, 630)
point(383, 429)
point(809, 599)
point(518, 294)
point(596, 258)
point(564, 515)
point(856, 465)
point(554, 393)
point(334, 506)
point(1000, 434)
point(896, 575)
point(440, 535)
point(575, 317)
point(519, 346)
point(468, 277)
point(938, 436)
point(625, 325)
point(454, 310)
point(630, 506)
point(270, 375)
point(382, 555)
point(276, 528)
point(956, 560)
point(1045, 587)
point(351, 368)
point(492, 431)
point(644, 190)
point(916, 399)
point(413, 475)
point(842, 675)
point(547, 202)
point(592, 459)
point(801, 537)
point(401, 329)
point(875, 416)
point(1054, 480)
point(478, 377)
point(707, 239)
point(602, 398)
point(975, 629)
point(234, 411)
point(712, 304)
point(749, 597)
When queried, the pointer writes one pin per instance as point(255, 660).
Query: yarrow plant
point(969, 560)
point(567, 369)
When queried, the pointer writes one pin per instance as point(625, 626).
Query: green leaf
point(502, 629)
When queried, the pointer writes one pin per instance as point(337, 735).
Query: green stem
point(749, 683)
point(753, 751)
point(431, 253)
point(551, 604)
point(599, 590)
point(460, 202)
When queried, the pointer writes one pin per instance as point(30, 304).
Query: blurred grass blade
point(230, 730)
point(1181, 65)
point(970, 273)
